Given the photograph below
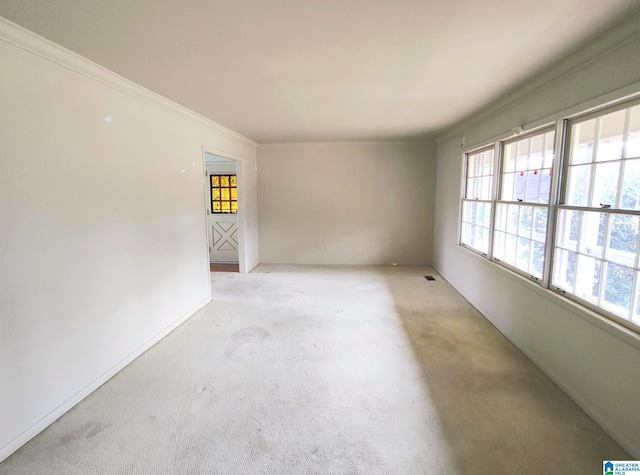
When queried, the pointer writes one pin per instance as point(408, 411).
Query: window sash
point(476, 225)
point(224, 193)
point(599, 267)
point(523, 208)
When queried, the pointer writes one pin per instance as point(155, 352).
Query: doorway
point(223, 210)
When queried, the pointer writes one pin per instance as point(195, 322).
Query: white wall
point(102, 242)
point(349, 203)
point(594, 362)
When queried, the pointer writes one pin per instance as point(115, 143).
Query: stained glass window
point(224, 194)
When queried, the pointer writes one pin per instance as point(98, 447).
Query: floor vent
point(429, 277)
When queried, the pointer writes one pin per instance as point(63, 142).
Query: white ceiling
point(322, 70)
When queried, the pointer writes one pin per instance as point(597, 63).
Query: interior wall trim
point(29, 41)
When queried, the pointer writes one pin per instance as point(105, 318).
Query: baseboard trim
point(594, 414)
point(58, 412)
point(253, 266)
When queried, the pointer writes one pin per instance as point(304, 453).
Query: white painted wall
point(349, 203)
point(597, 364)
point(102, 238)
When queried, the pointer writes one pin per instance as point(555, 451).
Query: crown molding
point(28, 41)
point(347, 142)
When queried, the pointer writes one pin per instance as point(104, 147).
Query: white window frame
point(520, 204)
point(557, 206)
point(606, 209)
point(475, 200)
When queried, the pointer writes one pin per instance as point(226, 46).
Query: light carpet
point(325, 370)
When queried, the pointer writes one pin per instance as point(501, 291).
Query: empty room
point(319, 237)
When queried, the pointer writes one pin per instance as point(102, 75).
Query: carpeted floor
point(325, 370)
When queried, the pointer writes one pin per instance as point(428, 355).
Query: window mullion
point(604, 259)
point(592, 175)
point(554, 200)
point(497, 183)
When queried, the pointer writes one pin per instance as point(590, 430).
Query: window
point(599, 213)
point(224, 194)
point(573, 226)
point(476, 205)
point(522, 210)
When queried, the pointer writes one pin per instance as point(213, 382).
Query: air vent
point(429, 277)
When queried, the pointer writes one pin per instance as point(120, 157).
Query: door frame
point(239, 162)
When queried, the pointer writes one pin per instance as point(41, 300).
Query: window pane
point(582, 138)
point(215, 180)
point(215, 193)
point(233, 181)
point(605, 185)
point(588, 278)
point(610, 141)
point(510, 157)
point(512, 219)
point(225, 194)
point(486, 215)
point(476, 211)
point(473, 241)
point(633, 143)
point(519, 186)
point(549, 155)
point(485, 193)
point(470, 192)
point(522, 160)
point(507, 187)
point(498, 245)
point(568, 225)
point(532, 193)
point(631, 185)
point(224, 181)
point(234, 206)
point(501, 217)
point(471, 165)
point(524, 254)
point(526, 221)
point(217, 207)
point(510, 249)
point(540, 224)
point(545, 186)
point(617, 289)
point(487, 163)
point(466, 211)
point(537, 151)
point(485, 240)
point(464, 234)
point(226, 207)
point(578, 188)
point(565, 270)
point(538, 259)
point(623, 239)
point(473, 232)
point(234, 193)
point(592, 233)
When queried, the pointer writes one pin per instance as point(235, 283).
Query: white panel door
point(222, 228)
